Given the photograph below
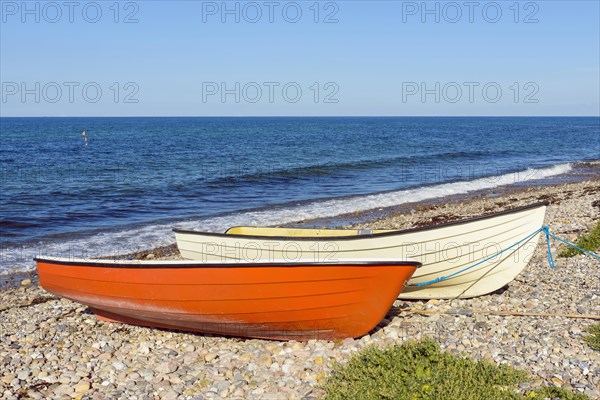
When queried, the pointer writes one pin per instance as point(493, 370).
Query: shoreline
point(582, 172)
point(81, 355)
point(375, 218)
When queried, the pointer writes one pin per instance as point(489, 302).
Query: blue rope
point(548, 234)
point(544, 229)
point(443, 278)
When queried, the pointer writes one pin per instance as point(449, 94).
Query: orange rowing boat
point(275, 300)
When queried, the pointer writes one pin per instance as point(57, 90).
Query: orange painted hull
point(284, 301)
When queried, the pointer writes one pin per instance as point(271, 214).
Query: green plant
point(420, 370)
point(593, 339)
point(553, 392)
point(589, 241)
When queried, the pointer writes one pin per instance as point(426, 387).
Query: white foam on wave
point(127, 241)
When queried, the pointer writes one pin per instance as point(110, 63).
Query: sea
point(134, 179)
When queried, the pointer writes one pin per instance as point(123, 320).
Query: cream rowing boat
point(449, 249)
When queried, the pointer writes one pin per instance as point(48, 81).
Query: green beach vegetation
point(421, 370)
point(593, 339)
point(589, 241)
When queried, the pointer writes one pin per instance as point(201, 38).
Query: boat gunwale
point(122, 264)
point(370, 235)
point(371, 248)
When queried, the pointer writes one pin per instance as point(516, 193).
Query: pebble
point(119, 366)
point(166, 367)
point(59, 344)
point(82, 387)
point(169, 395)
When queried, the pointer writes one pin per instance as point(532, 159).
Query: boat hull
point(284, 301)
point(443, 250)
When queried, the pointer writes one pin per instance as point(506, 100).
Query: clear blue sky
point(375, 60)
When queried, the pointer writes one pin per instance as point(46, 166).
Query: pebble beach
point(55, 348)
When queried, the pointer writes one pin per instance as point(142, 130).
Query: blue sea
point(137, 178)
